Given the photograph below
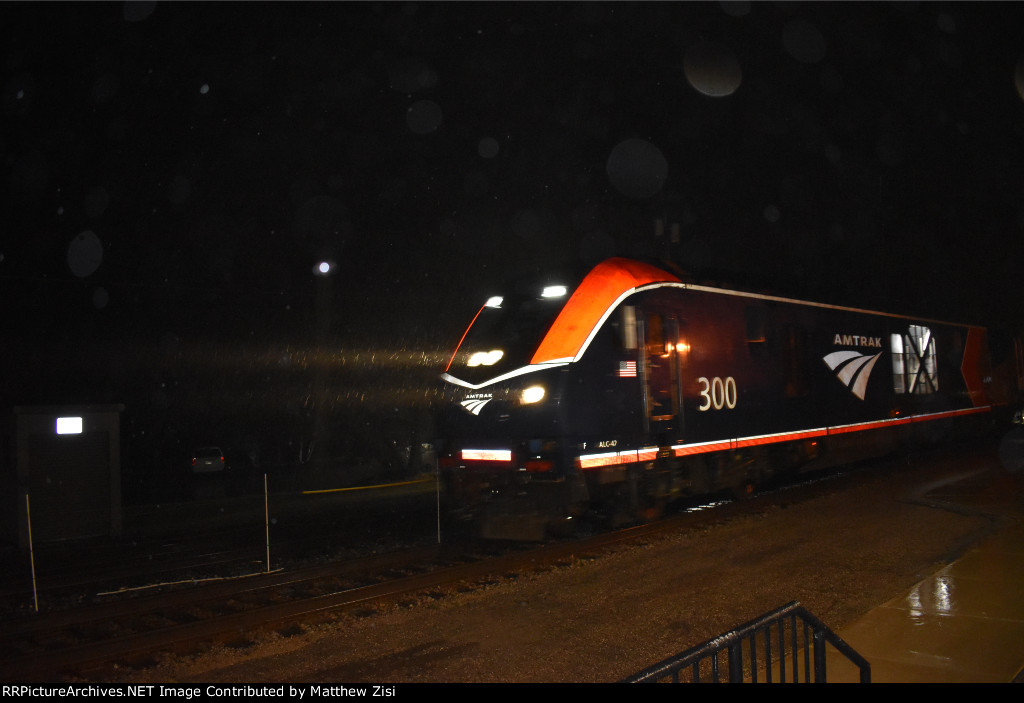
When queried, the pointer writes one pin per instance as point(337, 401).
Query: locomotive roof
point(591, 303)
point(614, 279)
point(600, 292)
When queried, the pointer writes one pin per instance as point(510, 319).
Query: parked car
point(207, 460)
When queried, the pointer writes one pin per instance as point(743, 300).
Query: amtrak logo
point(475, 402)
point(853, 369)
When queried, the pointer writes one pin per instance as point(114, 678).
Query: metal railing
point(777, 643)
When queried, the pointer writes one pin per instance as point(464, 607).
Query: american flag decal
point(627, 369)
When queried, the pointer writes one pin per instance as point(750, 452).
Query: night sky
point(173, 172)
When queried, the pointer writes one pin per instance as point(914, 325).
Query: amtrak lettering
point(475, 402)
point(853, 340)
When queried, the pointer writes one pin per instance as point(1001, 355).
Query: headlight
point(485, 358)
point(533, 394)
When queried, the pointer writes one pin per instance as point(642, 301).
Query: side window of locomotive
point(914, 361)
point(624, 325)
point(655, 336)
point(757, 324)
point(682, 343)
point(660, 367)
point(666, 339)
point(795, 365)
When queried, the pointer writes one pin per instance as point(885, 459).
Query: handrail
point(815, 635)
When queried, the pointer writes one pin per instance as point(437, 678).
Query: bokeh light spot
point(803, 41)
point(138, 10)
point(411, 75)
point(637, 168)
point(735, 8)
point(85, 254)
point(104, 89)
point(712, 69)
point(423, 116)
point(488, 147)
point(179, 189)
point(1018, 77)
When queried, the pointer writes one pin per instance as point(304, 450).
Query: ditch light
point(487, 455)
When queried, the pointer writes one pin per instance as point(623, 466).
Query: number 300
point(717, 393)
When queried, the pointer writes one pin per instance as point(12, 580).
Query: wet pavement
point(962, 624)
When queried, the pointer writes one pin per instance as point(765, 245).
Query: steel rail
point(76, 657)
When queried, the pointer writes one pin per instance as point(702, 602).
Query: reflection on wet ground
point(964, 623)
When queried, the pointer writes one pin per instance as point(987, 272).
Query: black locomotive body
point(633, 388)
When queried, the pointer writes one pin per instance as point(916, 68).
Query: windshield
point(506, 334)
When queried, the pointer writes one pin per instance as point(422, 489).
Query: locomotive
point(628, 388)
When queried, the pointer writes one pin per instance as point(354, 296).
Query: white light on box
point(69, 425)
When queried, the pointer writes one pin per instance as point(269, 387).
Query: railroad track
point(71, 644)
point(63, 642)
point(68, 574)
point(76, 644)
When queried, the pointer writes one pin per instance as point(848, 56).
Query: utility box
point(69, 464)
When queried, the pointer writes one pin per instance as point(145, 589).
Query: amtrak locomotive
point(619, 392)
